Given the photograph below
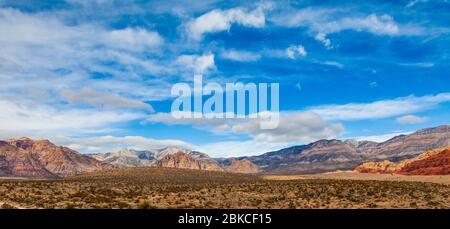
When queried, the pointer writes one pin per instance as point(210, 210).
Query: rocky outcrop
point(242, 166)
point(182, 160)
point(25, 157)
point(435, 162)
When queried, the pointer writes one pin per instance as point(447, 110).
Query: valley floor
point(350, 175)
point(177, 188)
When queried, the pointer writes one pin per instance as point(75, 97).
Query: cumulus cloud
point(380, 109)
point(322, 37)
point(299, 127)
point(133, 39)
point(197, 63)
point(240, 56)
point(411, 119)
point(294, 51)
point(222, 20)
point(103, 100)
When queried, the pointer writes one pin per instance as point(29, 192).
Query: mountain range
point(25, 157)
point(173, 157)
point(332, 155)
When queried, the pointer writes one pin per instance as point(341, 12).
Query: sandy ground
point(444, 179)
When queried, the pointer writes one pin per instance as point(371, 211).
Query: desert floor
point(177, 188)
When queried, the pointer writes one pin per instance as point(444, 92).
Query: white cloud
point(41, 51)
point(302, 17)
point(295, 51)
point(239, 148)
point(322, 37)
point(333, 63)
point(377, 24)
point(221, 20)
point(415, 2)
point(380, 138)
point(298, 127)
point(103, 144)
point(133, 39)
point(380, 109)
point(419, 64)
point(240, 56)
point(323, 21)
point(411, 119)
point(30, 118)
point(196, 63)
point(49, 31)
point(102, 100)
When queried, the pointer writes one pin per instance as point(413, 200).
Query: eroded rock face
point(25, 157)
point(182, 160)
point(242, 166)
point(17, 162)
point(435, 162)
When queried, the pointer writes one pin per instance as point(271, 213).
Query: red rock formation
point(28, 158)
point(436, 162)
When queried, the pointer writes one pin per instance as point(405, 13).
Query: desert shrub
point(69, 206)
point(144, 204)
point(7, 206)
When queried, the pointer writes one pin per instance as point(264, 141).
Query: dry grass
point(175, 188)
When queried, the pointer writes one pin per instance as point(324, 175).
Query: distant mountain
point(331, 155)
point(25, 157)
point(435, 162)
point(173, 157)
point(127, 158)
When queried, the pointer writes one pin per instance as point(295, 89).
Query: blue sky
point(96, 75)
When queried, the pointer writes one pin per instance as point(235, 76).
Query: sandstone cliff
point(435, 162)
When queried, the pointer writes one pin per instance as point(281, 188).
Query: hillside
point(25, 157)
